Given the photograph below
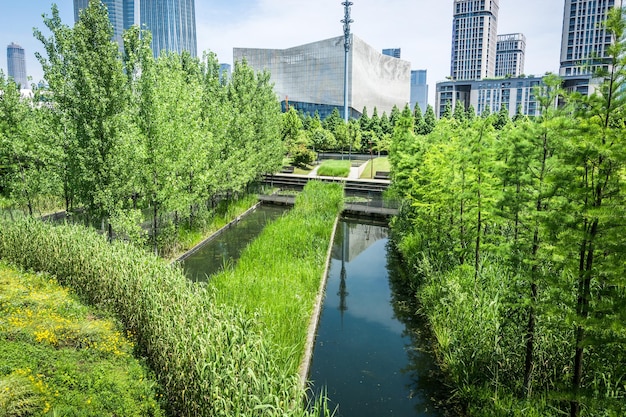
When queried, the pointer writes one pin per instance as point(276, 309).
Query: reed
point(278, 275)
point(212, 359)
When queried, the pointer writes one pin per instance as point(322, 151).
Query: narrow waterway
point(226, 248)
point(367, 352)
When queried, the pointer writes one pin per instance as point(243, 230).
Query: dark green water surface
point(366, 353)
point(226, 248)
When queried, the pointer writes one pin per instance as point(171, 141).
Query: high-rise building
point(584, 41)
point(172, 22)
point(310, 76)
point(394, 52)
point(16, 63)
point(115, 8)
point(419, 90)
point(474, 37)
point(510, 54)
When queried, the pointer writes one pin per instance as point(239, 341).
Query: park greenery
point(61, 358)
point(229, 348)
point(514, 232)
point(334, 168)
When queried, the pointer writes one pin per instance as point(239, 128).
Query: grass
point(62, 358)
point(211, 358)
point(278, 275)
point(334, 168)
point(379, 164)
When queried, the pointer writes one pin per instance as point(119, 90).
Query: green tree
point(418, 119)
point(430, 120)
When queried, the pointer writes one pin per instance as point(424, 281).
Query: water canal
point(226, 248)
point(366, 354)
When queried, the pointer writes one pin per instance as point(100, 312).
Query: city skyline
point(422, 29)
point(16, 64)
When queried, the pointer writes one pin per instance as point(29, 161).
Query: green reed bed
point(61, 358)
point(333, 168)
point(210, 359)
point(278, 275)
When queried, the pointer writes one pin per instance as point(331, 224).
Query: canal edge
point(216, 234)
point(305, 365)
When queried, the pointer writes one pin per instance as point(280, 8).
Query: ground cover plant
point(376, 164)
point(278, 275)
point(210, 359)
point(333, 168)
point(61, 358)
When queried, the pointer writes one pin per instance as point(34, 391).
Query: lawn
point(380, 164)
point(334, 168)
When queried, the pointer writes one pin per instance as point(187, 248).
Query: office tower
point(311, 76)
point(172, 23)
point(394, 52)
point(115, 8)
point(419, 90)
point(16, 62)
point(225, 73)
point(474, 37)
point(584, 41)
point(510, 54)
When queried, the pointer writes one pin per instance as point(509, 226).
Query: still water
point(366, 353)
point(226, 248)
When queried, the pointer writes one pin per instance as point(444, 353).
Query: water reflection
point(367, 353)
point(225, 249)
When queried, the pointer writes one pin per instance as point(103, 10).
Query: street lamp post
point(347, 43)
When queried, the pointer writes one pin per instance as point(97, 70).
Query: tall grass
point(278, 275)
point(212, 359)
point(333, 168)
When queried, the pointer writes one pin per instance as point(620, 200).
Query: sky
point(421, 28)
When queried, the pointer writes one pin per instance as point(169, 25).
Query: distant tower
point(474, 37)
point(510, 55)
point(584, 41)
point(172, 23)
point(394, 52)
point(16, 62)
point(419, 90)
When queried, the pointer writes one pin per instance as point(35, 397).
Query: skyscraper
point(584, 40)
point(474, 37)
point(419, 90)
point(510, 55)
point(16, 62)
point(116, 16)
point(172, 23)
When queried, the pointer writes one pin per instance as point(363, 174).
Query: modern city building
point(115, 8)
point(310, 77)
point(490, 94)
point(474, 38)
point(510, 55)
point(584, 41)
point(394, 52)
point(16, 63)
point(419, 90)
point(225, 72)
point(172, 22)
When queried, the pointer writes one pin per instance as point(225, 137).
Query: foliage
point(334, 168)
point(211, 359)
point(62, 358)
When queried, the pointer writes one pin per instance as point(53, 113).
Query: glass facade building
point(510, 55)
point(584, 41)
point(310, 77)
point(474, 37)
point(172, 23)
point(394, 52)
point(16, 63)
point(419, 90)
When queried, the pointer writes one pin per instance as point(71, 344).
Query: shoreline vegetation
point(209, 348)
